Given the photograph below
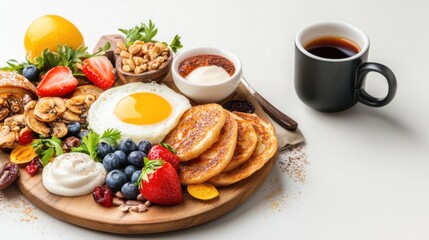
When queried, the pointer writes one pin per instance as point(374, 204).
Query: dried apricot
point(22, 154)
point(203, 191)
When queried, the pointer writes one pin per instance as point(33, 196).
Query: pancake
point(197, 130)
point(265, 150)
point(211, 162)
point(247, 139)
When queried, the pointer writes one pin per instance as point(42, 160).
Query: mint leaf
point(47, 155)
point(47, 148)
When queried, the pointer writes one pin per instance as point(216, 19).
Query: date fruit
point(8, 173)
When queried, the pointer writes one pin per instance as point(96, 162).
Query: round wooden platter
point(85, 212)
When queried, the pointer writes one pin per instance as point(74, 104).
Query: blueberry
point(112, 161)
point(130, 191)
point(73, 129)
point(116, 179)
point(127, 145)
point(104, 148)
point(129, 170)
point(144, 146)
point(122, 156)
point(83, 133)
point(136, 158)
point(31, 73)
point(136, 175)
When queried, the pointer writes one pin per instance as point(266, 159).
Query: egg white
point(101, 114)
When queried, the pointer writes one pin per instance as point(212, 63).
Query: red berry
point(103, 196)
point(99, 70)
point(33, 166)
point(25, 138)
point(57, 82)
point(165, 152)
point(159, 183)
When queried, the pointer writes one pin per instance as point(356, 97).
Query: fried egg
point(141, 111)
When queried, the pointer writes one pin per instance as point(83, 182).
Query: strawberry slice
point(99, 70)
point(160, 183)
point(57, 82)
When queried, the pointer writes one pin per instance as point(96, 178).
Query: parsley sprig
point(146, 33)
point(89, 143)
point(64, 56)
point(176, 44)
point(47, 148)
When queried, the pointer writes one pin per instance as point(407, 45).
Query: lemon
point(47, 32)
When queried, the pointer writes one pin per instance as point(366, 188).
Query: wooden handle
point(281, 118)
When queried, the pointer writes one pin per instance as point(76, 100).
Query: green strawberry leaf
point(150, 167)
point(168, 147)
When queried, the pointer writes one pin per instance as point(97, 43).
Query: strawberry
point(57, 82)
point(159, 183)
point(99, 70)
point(165, 152)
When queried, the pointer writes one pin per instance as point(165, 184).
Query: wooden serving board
point(85, 212)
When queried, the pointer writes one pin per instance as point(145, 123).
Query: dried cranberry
point(103, 196)
point(33, 166)
point(239, 106)
point(25, 138)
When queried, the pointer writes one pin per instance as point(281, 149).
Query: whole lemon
point(47, 32)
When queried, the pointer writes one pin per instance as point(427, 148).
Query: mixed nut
point(139, 205)
point(141, 57)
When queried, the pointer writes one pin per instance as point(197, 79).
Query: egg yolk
point(143, 108)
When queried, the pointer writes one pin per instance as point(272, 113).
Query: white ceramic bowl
point(206, 93)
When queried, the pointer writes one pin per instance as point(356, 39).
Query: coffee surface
point(332, 47)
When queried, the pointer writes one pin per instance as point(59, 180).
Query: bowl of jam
point(206, 74)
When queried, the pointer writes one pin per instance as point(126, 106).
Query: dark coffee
point(332, 47)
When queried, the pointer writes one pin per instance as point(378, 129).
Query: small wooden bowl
point(149, 76)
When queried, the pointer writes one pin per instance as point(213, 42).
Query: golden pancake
point(265, 150)
point(197, 130)
point(247, 140)
point(211, 162)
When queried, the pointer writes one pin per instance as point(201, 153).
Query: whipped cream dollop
point(73, 174)
point(208, 75)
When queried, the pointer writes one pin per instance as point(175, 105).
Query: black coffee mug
point(330, 74)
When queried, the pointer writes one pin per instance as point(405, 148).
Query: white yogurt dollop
point(73, 174)
point(208, 75)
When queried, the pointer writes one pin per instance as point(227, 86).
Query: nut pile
point(139, 205)
point(141, 57)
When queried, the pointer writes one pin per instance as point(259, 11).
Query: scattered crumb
point(276, 196)
point(285, 183)
point(17, 206)
point(294, 164)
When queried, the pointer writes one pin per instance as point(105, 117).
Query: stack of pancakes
point(221, 147)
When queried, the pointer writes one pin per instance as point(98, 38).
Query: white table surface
point(368, 170)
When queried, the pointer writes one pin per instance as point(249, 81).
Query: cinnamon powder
point(190, 64)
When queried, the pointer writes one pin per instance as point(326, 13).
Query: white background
point(369, 168)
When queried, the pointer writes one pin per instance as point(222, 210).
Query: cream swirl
point(73, 174)
point(208, 75)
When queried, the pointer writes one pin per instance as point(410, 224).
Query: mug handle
point(362, 96)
